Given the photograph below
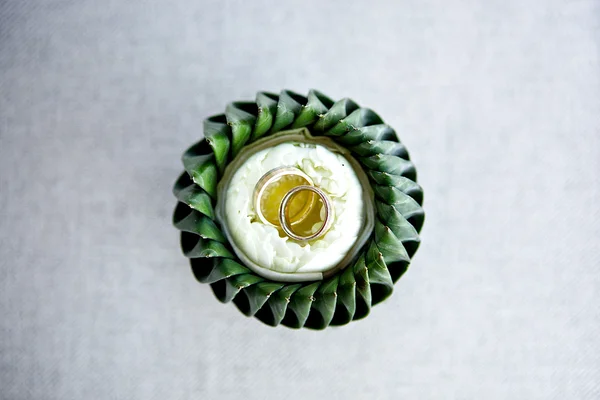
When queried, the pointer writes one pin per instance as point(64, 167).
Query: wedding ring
point(285, 223)
point(267, 182)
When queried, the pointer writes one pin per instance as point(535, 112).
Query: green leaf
point(359, 118)
point(363, 288)
point(397, 269)
point(405, 185)
point(199, 163)
point(299, 306)
point(204, 173)
point(405, 204)
point(346, 298)
point(374, 147)
point(390, 164)
point(217, 134)
point(207, 229)
point(259, 294)
point(197, 199)
point(204, 248)
point(267, 108)
point(192, 195)
point(189, 220)
point(389, 245)
point(372, 133)
point(278, 304)
point(317, 105)
point(340, 109)
point(227, 289)
point(397, 222)
point(243, 281)
point(241, 116)
point(379, 276)
point(202, 267)
point(324, 304)
point(223, 268)
point(289, 106)
point(224, 290)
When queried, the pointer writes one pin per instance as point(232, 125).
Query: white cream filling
point(261, 244)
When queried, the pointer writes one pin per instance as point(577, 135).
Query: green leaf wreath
point(350, 293)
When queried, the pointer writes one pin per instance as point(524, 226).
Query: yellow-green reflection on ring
point(315, 223)
point(271, 189)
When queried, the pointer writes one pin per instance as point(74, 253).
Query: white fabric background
point(498, 101)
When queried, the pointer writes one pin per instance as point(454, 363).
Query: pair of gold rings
point(285, 197)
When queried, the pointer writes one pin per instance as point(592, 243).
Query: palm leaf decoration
point(348, 294)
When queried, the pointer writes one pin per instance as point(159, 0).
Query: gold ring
point(283, 220)
point(268, 180)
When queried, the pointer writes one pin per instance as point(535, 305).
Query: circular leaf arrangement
point(350, 293)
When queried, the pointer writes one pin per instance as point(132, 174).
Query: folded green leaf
point(189, 220)
point(218, 134)
point(299, 306)
point(397, 222)
point(223, 268)
point(406, 205)
point(379, 276)
point(241, 116)
point(397, 269)
point(340, 110)
point(289, 106)
point(324, 304)
point(403, 184)
point(227, 289)
point(359, 118)
point(390, 164)
point(199, 163)
point(192, 195)
point(317, 105)
point(278, 304)
point(346, 298)
point(373, 147)
point(363, 288)
point(389, 245)
point(259, 294)
point(205, 248)
point(267, 108)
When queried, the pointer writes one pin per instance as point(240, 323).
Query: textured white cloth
point(498, 102)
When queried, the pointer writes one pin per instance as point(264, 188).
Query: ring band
point(269, 178)
point(328, 213)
